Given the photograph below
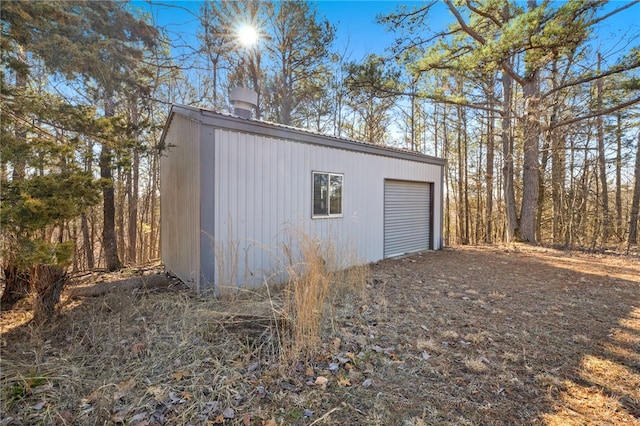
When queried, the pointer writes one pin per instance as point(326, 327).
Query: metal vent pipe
point(244, 101)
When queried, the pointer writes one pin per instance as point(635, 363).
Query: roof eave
point(234, 123)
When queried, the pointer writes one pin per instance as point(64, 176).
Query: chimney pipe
point(243, 101)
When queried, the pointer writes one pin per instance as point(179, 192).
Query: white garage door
point(407, 217)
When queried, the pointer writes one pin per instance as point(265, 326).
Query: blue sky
point(355, 22)
point(356, 27)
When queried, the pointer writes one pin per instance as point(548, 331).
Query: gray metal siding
point(180, 200)
point(207, 202)
point(263, 190)
point(407, 217)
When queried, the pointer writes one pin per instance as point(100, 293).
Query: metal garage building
point(230, 187)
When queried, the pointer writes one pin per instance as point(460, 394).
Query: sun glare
point(247, 35)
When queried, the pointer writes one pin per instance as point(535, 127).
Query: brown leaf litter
point(473, 335)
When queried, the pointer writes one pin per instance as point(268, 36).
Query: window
point(327, 194)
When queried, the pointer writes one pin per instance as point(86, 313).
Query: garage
point(234, 188)
point(407, 217)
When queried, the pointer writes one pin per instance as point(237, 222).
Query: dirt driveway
point(464, 336)
point(506, 336)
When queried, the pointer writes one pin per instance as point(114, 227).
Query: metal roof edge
point(259, 127)
point(184, 110)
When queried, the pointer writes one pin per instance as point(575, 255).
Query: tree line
point(538, 122)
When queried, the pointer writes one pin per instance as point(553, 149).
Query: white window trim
point(329, 215)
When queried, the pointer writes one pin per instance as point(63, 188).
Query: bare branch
point(594, 114)
point(483, 14)
point(447, 101)
point(613, 12)
point(476, 36)
point(467, 29)
point(587, 79)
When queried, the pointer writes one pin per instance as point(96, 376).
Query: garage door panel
point(407, 217)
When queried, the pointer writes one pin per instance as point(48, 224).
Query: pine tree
point(521, 41)
point(372, 92)
point(91, 45)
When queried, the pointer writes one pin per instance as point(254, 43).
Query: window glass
point(320, 194)
point(327, 194)
point(335, 205)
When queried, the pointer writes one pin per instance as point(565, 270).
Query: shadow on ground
point(465, 336)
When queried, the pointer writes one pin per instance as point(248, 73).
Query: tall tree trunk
point(87, 235)
point(462, 219)
point(557, 143)
point(558, 176)
point(478, 227)
point(465, 186)
point(154, 240)
point(435, 129)
point(132, 231)
point(530, 93)
point(86, 241)
point(489, 180)
point(511, 217)
point(583, 195)
point(109, 207)
point(121, 195)
point(541, 189)
point(133, 178)
point(619, 227)
point(602, 161)
point(72, 233)
point(635, 203)
point(445, 151)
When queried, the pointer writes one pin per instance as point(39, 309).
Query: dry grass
point(316, 272)
point(304, 299)
point(465, 336)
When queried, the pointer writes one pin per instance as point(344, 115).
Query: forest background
point(535, 114)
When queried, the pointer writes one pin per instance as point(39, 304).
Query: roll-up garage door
point(407, 217)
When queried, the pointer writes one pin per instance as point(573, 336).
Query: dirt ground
point(512, 335)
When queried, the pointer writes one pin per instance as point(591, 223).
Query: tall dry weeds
point(313, 273)
point(316, 273)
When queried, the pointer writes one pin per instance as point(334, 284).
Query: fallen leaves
point(321, 381)
point(180, 365)
point(181, 374)
point(124, 387)
point(156, 391)
point(138, 349)
point(344, 381)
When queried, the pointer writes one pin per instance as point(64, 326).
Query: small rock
point(286, 385)
point(40, 405)
point(210, 407)
point(321, 380)
point(238, 399)
point(229, 413)
point(307, 413)
point(367, 383)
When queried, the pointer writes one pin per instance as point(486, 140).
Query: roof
point(280, 131)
